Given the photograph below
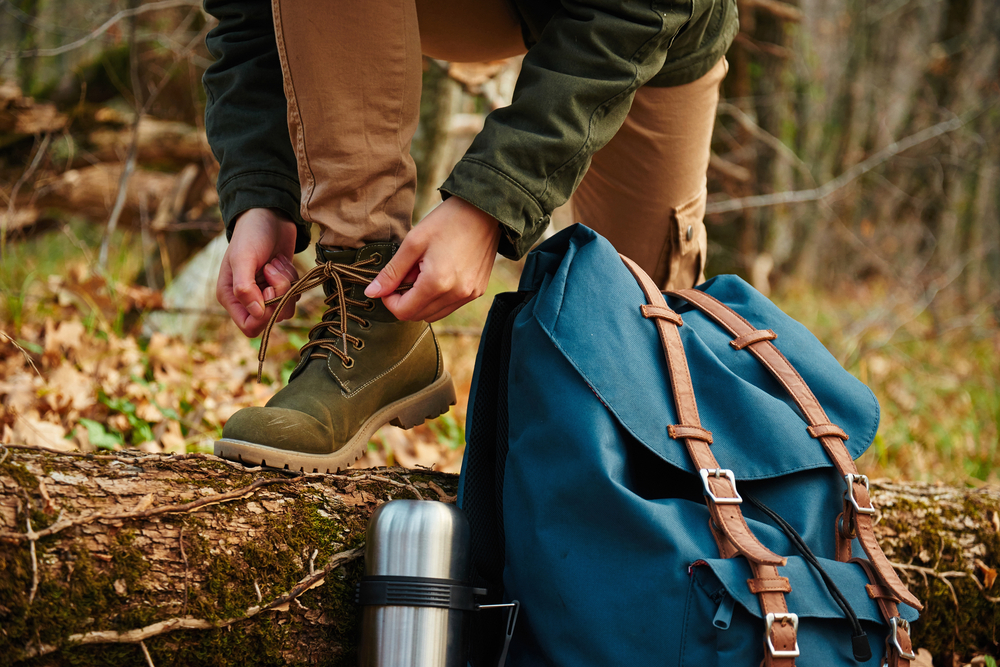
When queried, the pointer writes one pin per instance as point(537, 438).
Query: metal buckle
point(717, 473)
point(895, 623)
point(769, 621)
point(849, 494)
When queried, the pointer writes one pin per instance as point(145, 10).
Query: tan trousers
point(352, 76)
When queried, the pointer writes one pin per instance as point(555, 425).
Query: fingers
point(280, 274)
point(403, 265)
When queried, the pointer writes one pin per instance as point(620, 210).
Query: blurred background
point(855, 179)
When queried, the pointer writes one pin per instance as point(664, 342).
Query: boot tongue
point(347, 256)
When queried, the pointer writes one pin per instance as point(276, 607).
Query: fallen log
point(189, 559)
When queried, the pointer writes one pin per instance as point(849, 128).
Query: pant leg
point(645, 190)
point(352, 79)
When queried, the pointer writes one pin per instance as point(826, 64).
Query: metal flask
point(415, 596)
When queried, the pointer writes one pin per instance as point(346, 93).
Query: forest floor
point(77, 370)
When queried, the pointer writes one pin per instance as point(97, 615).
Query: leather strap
point(785, 373)
point(820, 430)
point(780, 584)
point(898, 647)
point(682, 431)
point(780, 636)
point(653, 311)
point(753, 337)
point(729, 527)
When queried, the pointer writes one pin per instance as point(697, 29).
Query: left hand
point(448, 257)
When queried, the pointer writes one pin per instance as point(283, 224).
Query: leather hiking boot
point(361, 369)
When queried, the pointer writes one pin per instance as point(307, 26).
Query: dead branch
point(101, 29)
point(858, 170)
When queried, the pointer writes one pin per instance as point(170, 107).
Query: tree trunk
point(201, 561)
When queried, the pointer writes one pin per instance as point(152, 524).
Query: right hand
point(257, 266)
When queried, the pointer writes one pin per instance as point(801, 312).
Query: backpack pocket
point(723, 623)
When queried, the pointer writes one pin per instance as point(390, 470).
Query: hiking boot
point(361, 369)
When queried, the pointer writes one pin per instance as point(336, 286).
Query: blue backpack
point(670, 482)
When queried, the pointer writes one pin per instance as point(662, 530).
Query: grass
point(934, 367)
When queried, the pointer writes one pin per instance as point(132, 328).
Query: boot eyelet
point(369, 305)
point(348, 362)
point(360, 345)
point(365, 324)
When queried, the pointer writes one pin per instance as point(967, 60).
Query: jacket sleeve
point(245, 115)
point(574, 91)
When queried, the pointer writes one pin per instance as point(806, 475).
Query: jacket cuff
point(494, 192)
point(263, 189)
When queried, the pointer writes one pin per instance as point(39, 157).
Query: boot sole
point(428, 403)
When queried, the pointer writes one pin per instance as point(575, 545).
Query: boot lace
point(333, 325)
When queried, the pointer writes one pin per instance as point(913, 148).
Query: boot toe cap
point(279, 428)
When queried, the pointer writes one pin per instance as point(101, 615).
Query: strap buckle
point(769, 621)
point(718, 473)
point(895, 623)
point(849, 494)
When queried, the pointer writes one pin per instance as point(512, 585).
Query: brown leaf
point(923, 659)
point(31, 429)
point(988, 573)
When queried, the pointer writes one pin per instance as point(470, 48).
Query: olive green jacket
point(586, 59)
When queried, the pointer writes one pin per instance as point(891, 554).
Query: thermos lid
point(418, 538)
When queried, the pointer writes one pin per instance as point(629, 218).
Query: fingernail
point(256, 309)
point(284, 261)
point(373, 289)
point(268, 293)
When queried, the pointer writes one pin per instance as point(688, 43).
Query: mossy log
point(131, 559)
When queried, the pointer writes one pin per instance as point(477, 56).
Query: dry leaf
point(923, 659)
point(31, 429)
point(988, 573)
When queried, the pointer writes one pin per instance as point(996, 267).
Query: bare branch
point(179, 508)
point(9, 215)
point(32, 537)
point(780, 147)
point(145, 653)
point(103, 28)
point(827, 189)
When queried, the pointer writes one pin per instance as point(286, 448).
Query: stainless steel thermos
point(416, 595)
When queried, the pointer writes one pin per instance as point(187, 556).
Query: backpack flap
point(719, 592)
point(758, 431)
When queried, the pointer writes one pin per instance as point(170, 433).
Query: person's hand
point(257, 266)
point(448, 257)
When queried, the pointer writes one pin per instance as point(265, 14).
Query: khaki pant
point(353, 109)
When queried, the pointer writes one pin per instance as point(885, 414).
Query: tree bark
point(200, 561)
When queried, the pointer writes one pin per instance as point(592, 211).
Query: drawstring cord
point(859, 640)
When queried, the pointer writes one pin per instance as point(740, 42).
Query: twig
point(140, 111)
point(9, 215)
point(828, 188)
point(24, 353)
point(444, 497)
point(141, 634)
point(780, 147)
point(100, 30)
point(32, 537)
point(180, 540)
point(143, 457)
point(145, 652)
point(312, 561)
point(256, 588)
point(379, 478)
point(6, 453)
point(180, 508)
point(945, 576)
